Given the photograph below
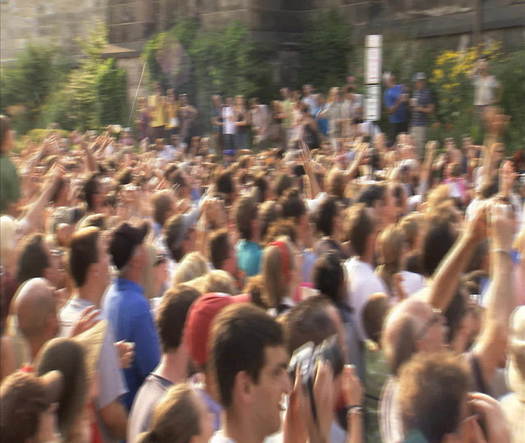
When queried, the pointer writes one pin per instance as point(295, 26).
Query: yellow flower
point(438, 74)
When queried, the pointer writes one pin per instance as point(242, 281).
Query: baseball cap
point(516, 360)
point(199, 321)
point(24, 397)
point(124, 240)
point(420, 76)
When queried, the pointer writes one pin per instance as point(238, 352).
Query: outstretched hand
point(88, 318)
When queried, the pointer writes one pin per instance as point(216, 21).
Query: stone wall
point(280, 22)
point(59, 22)
point(131, 22)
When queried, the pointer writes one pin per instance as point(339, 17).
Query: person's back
point(248, 251)
point(173, 366)
point(126, 307)
point(149, 394)
point(129, 314)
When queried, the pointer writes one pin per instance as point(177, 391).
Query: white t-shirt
point(412, 282)
point(219, 437)
point(228, 126)
point(485, 90)
point(362, 283)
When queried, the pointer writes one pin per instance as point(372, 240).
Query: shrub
point(325, 51)
point(27, 83)
point(227, 61)
point(41, 87)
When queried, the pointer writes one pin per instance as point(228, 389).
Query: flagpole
point(136, 93)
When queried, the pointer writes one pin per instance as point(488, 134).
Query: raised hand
point(501, 223)
point(507, 175)
point(126, 353)
point(88, 318)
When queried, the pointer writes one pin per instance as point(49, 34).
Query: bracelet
point(354, 408)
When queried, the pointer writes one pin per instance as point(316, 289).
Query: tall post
point(373, 59)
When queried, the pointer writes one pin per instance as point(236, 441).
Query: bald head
point(410, 327)
point(35, 309)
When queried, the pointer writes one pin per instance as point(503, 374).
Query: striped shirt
point(390, 423)
point(423, 97)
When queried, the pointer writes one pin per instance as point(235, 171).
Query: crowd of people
point(302, 115)
point(334, 284)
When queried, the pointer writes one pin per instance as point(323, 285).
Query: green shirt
point(375, 378)
point(9, 183)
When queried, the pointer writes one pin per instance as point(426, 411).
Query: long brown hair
point(391, 244)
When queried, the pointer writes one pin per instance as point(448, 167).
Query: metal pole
point(136, 93)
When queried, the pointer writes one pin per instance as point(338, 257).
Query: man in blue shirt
point(126, 307)
point(396, 102)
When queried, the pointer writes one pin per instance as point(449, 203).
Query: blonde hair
point(391, 243)
point(8, 245)
point(214, 281)
point(175, 418)
point(193, 265)
point(438, 195)
point(219, 281)
point(412, 227)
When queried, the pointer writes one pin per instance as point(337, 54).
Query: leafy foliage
point(29, 81)
point(111, 84)
point(41, 87)
point(183, 33)
point(510, 71)
point(453, 85)
point(325, 51)
point(227, 61)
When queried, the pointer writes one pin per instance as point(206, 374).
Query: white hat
point(516, 360)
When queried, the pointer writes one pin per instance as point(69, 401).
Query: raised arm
point(360, 152)
point(34, 212)
point(308, 167)
point(446, 277)
point(426, 167)
point(490, 346)
point(88, 151)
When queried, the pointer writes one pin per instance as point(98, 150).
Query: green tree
point(510, 72)
point(226, 61)
point(94, 93)
point(112, 93)
point(28, 82)
point(325, 51)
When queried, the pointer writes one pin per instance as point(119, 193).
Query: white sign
point(374, 41)
point(373, 66)
point(373, 103)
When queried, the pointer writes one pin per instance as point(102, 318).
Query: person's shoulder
point(153, 387)
point(219, 437)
